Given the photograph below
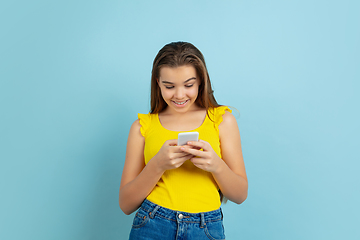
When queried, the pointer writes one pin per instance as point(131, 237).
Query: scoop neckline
point(203, 122)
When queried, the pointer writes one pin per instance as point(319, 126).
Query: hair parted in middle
point(177, 54)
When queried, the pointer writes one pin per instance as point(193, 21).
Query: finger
point(179, 161)
point(193, 147)
point(200, 144)
point(194, 152)
point(199, 164)
point(182, 154)
point(183, 159)
point(202, 163)
point(197, 161)
point(177, 149)
point(171, 142)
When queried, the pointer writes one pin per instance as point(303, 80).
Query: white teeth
point(180, 103)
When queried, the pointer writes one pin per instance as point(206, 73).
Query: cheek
point(193, 92)
point(165, 94)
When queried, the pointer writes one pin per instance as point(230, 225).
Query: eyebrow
point(166, 82)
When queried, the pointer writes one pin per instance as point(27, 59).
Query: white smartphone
point(185, 137)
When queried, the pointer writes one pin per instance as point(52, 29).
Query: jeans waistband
point(203, 217)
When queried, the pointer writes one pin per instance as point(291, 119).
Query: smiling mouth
point(180, 103)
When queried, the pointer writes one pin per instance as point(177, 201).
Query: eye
point(169, 87)
point(189, 86)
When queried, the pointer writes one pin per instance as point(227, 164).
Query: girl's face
point(179, 87)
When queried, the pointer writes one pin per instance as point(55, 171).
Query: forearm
point(233, 186)
point(133, 193)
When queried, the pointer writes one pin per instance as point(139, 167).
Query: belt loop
point(202, 220)
point(152, 214)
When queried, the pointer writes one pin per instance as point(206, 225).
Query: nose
point(180, 93)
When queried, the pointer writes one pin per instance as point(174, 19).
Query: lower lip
point(180, 105)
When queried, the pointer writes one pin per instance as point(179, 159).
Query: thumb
point(171, 142)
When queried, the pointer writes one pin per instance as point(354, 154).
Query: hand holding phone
point(185, 137)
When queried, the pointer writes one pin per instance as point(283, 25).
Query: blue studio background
point(74, 74)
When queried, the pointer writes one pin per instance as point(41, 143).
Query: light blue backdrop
point(74, 74)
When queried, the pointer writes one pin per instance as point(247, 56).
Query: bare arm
point(138, 180)
point(231, 175)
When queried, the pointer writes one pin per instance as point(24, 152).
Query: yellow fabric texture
point(187, 188)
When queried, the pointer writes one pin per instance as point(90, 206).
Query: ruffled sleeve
point(218, 115)
point(144, 122)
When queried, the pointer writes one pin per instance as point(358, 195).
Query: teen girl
point(179, 189)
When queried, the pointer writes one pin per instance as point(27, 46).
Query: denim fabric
point(153, 222)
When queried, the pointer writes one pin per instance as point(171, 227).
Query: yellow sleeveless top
point(187, 188)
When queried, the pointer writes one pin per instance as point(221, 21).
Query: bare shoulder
point(134, 158)
point(229, 131)
point(231, 144)
point(228, 123)
point(136, 125)
point(135, 138)
point(135, 129)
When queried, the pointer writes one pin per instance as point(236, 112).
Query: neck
point(170, 111)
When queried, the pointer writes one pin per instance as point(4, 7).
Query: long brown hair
point(177, 54)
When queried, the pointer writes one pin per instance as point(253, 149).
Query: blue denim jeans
point(155, 222)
